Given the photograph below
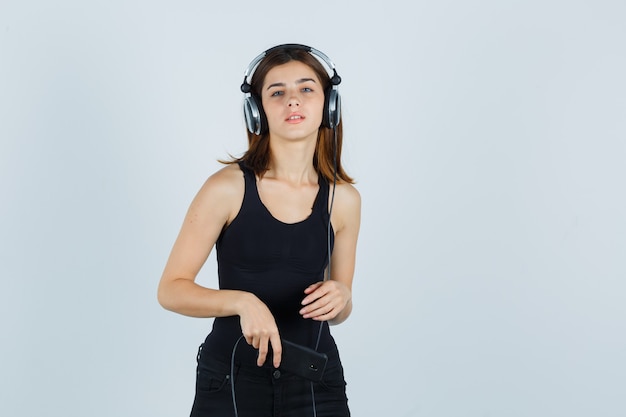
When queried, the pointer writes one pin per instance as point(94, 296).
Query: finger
point(317, 309)
point(316, 294)
point(312, 287)
point(262, 353)
point(277, 351)
point(325, 316)
point(309, 309)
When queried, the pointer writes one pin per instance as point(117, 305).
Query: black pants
point(266, 392)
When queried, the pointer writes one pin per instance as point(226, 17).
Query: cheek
point(319, 105)
point(270, 108)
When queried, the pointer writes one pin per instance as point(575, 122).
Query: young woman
point(267, 213)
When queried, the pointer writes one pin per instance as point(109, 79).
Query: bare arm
point(214, 207)
point(332, 300)
point(210, 211)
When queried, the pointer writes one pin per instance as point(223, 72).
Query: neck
point(292, 161)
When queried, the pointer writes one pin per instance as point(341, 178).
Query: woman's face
point(293, 100)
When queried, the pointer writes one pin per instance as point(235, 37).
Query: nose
point(293, 101)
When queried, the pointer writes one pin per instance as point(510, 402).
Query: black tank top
point(275, 261)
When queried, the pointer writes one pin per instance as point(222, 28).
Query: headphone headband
point(335, 79)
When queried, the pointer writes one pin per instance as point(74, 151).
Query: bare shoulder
point(222, 193)
point(227, 179)
point(347, 207)
point(349, 194)
point(223, 183)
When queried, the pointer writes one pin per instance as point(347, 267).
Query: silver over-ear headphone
point(256, 121)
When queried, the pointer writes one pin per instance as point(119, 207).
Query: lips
point(295, 118)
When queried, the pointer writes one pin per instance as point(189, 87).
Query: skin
point(287, 190)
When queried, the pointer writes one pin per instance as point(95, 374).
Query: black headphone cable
point(329, 248)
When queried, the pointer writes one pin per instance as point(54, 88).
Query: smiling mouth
point(295, 117)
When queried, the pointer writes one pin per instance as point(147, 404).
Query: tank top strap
point(321, 207)
point(244, 168)
point(251, 195)
point(321, 203)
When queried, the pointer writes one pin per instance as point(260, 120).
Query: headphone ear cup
point(332, 108)
point(254, 115)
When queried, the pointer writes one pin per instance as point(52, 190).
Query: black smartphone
point(303, 361)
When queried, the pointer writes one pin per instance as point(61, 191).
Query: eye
point(307, 89)
point(276, 93)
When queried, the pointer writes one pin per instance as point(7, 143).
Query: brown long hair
point(257, 157)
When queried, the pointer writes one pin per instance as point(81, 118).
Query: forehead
point(290, 72)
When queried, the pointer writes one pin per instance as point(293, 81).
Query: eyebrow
point(300, 81)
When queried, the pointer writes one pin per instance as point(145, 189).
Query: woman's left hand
point(325, 300)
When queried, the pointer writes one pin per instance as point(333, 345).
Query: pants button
point(276, 374)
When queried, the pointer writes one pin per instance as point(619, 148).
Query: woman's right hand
point(259, 328)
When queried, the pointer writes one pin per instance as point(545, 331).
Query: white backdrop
point(488, 141)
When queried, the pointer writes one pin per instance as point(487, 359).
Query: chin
point(296, 134)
